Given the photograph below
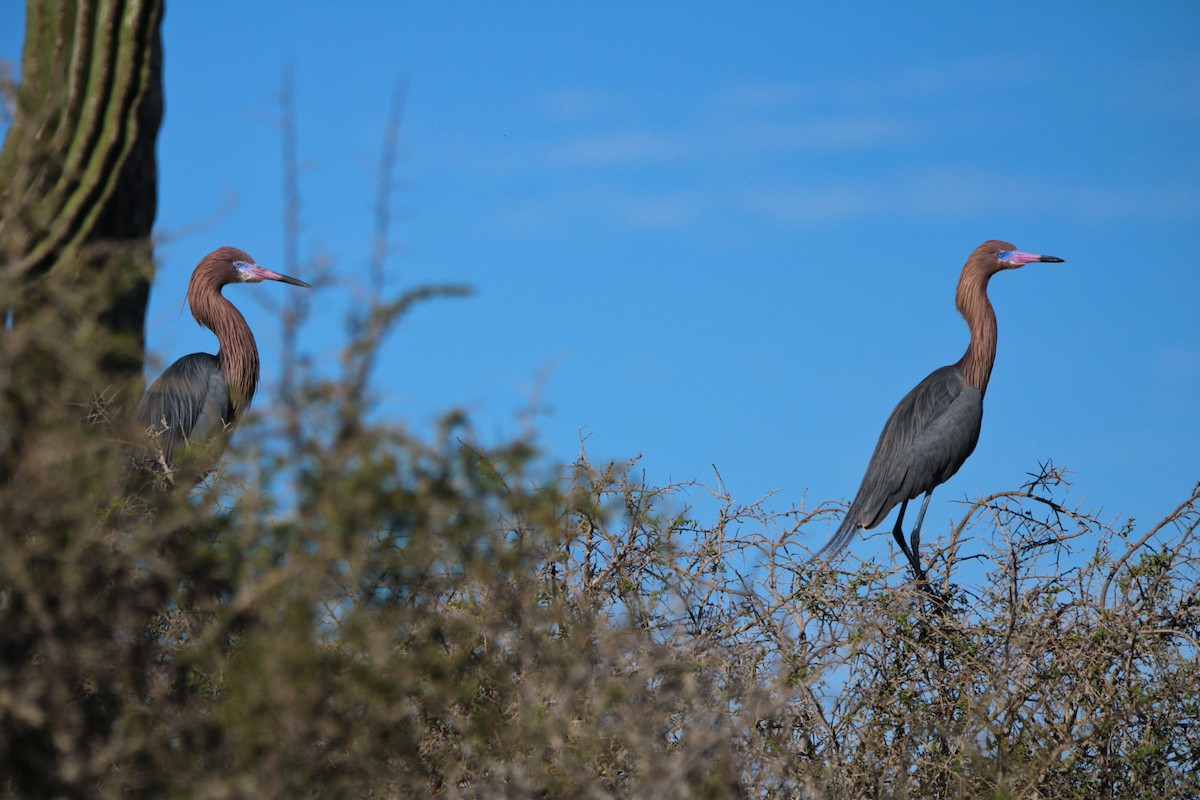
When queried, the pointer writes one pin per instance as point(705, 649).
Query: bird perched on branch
point(935, 427)
point(197, 399)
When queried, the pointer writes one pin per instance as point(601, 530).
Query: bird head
point(249, 272)
point(231, 265)
point(998, 255)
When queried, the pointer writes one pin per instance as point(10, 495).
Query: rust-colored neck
point(238, 353)
point(972, 301)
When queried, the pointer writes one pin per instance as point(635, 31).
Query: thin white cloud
point(621, 147)
point(950, 193)
point(935, 193)
point(809, 205)
point(902, 87)
point(613, 205)
point(662, 210)
point(727, 136)
point(571, 105)
point(839, 132)
point(743, 140)
point(790, 153)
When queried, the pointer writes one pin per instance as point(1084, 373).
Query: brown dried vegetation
point(353, 611)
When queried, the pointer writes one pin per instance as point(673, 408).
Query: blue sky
point(725, 233)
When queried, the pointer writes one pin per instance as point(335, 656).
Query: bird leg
point(898, 533)
point(916, 533)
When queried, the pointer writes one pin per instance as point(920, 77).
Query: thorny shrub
point(352, 610)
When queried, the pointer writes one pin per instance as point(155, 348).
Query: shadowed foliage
point(350, 609)
point(353, 610)
point(78, 197)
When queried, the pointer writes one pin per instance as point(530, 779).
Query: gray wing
point(189, 402)
point(929, 435)
point(927, 438)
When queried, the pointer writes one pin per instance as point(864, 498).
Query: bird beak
point(253, 273)
point(1019, 258)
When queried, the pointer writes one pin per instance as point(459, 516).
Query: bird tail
point(845, 532)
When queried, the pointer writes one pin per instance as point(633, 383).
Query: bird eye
point(1003, 254)
point(239, 264)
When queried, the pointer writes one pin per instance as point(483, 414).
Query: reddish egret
point(200, 396)
point(934, 428)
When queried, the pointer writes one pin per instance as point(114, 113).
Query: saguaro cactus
point(77, 202)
